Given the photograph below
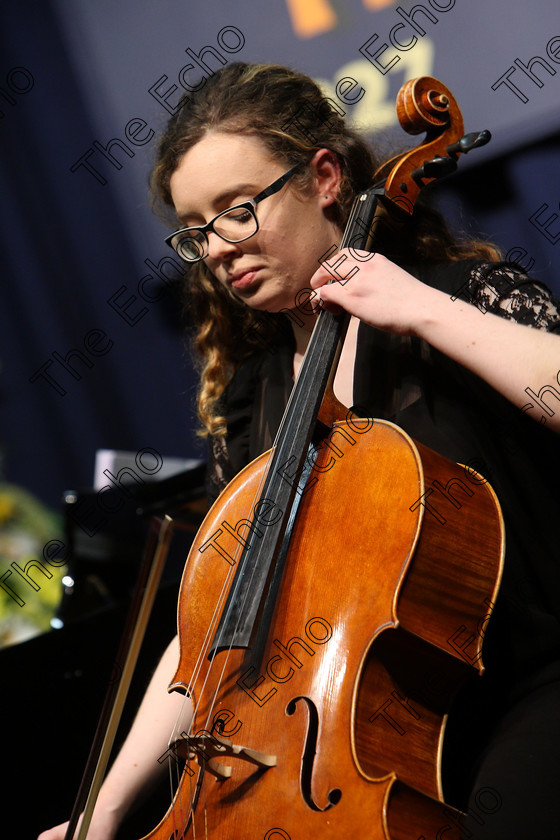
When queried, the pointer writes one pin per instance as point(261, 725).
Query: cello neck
point(284, 485)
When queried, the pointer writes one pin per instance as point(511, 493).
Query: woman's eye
point(241, 216)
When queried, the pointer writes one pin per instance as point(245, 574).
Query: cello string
point(200, 658)
point(211, 628)
point(217, 641)
point(175, 784)
point(198, 666)
point(257, 495)
point(258, 491)
point(171, 770)
point(189, 697)
point(216, 615)
point(238, 551)
point(205, 646)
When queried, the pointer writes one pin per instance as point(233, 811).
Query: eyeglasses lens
point(190, 247)
point(235, 225)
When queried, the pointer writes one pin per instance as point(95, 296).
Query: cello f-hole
point(335, 795)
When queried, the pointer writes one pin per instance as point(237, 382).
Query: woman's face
point(269, 269)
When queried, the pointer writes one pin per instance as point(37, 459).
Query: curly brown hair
point(287, 111)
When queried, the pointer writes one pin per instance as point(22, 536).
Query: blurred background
point(93, 355)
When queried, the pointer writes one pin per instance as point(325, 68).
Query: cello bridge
point(206, 748)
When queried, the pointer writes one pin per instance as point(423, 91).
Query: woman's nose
point(219, 249)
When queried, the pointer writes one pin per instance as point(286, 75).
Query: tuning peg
point(438, 167)
point(469, 141)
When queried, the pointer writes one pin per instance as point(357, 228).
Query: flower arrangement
point(30, 587)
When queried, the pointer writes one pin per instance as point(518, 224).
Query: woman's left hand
point(375, 290)
point(521, 363)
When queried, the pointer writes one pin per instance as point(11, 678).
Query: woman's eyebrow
point(247, 187)
point(222, 200)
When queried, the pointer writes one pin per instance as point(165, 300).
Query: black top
point(444, 406)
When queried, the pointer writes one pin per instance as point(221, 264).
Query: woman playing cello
point(444, 340)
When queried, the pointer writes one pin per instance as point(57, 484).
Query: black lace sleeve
point(218, 470)
point(504, 289)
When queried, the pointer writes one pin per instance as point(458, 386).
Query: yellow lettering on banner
point(311, 17)
point(419, 61)
point(376, 109)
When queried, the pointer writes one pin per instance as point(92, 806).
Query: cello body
point(331, 724)
point(322, 647)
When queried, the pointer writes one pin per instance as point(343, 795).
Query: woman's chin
point(265, 302)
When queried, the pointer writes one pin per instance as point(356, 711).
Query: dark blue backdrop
point(77, 231)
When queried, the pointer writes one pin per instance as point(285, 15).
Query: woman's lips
point(244, 280)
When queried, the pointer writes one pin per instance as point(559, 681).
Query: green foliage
point(26, 525)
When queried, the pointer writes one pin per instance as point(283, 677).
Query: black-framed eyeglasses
point(236, 224)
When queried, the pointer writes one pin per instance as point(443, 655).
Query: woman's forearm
point(142, 757)
point(521, 363)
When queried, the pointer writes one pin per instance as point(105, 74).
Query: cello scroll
point(425, 104)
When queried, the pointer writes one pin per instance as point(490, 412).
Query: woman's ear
point(326, 169)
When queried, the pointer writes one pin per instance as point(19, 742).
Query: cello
point(316, 713)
